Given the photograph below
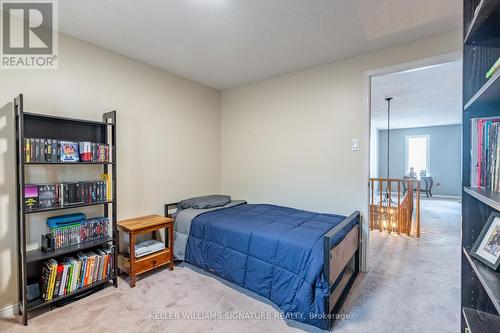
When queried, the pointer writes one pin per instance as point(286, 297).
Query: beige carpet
point(413, 286)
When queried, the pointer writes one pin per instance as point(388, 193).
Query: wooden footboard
point(341, 262)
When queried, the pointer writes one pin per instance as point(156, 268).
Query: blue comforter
point(274, 251)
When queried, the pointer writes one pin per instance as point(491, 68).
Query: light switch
point(355, 144)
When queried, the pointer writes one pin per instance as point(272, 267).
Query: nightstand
point(140, 225)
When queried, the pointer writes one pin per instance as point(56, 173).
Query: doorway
point(415, 114)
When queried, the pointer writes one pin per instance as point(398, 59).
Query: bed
point(303, 262)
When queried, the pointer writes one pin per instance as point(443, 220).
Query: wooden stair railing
point(394, 211)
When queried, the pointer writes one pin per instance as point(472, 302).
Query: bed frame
point(341, 265)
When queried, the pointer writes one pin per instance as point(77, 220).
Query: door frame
point(367, 78)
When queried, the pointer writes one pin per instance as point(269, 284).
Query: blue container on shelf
point(65, 220)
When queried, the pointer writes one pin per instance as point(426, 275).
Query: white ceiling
point(227, 43)
point(430, 96)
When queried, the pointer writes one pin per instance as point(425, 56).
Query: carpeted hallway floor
point(413, 286)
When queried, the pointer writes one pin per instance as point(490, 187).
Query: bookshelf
point(484, 22)
point(37, 304)
point(39, 255)
point(35, 125)
point(480, 322)
point(481, 99)
point(487, 94)
point(489, 198)
point(68, 206)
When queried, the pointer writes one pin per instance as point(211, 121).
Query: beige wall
point(168, 136)
point(287, 140)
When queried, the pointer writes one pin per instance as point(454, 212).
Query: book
point(48, 150)
point(67, 277)
point(485, 153)
point(52, 280)
point(85, 151)
point(60, 270)
point(79, 275)
point(67, 285)
point(110, 253)
point(83, 260)
point(62, 288)
point(32, 150)
point(68, 151)
point(105, 268)
point(37, 150)
point(493, 68)
point(27, 150)
point(44, 280)
point(30, 197)
point(43, 143)
point(87, 270)
point(95, 271)
point(55, 155)
point(46, 196)
point(74, 275)
point(107, 185)
point(100, 271)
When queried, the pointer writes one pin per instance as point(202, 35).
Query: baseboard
point(9, 311)
point(445, 196)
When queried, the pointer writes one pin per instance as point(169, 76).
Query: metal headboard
point(167, 206)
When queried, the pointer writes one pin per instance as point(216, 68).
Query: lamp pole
point(388, 99)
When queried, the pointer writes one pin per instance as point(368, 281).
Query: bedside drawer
point(152, 261)
point(146, 263)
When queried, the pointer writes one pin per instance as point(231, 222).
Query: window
point(417, 153)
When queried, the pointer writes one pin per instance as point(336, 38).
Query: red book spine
point(479, 149)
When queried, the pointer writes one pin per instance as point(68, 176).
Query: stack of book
point(94, 152)
point(54, 195)
point(90, 229)
point(485, 157)
point(72, 273)
point(55, 151)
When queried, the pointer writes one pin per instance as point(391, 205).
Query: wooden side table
point(140, 225)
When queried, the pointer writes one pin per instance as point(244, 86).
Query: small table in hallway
point(427, 181)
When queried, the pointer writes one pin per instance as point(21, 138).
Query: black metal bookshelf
point(35, 125)
point(60, 163)
point(480, 322)
point(37, 304)
point(68, 206)
point(39, 255)
point(481, 98)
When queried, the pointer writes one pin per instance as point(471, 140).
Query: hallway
point(413, 284)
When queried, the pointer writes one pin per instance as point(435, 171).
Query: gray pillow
point(208, 201)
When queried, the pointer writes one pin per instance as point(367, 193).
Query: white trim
point(10, 311)
point(408, 66)
point(365, 126)
point(443, 196)
point(366, 135)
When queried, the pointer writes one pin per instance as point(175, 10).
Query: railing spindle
point(372, 209)
point(399, 209)
point(380, 207)
point(418, 209)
